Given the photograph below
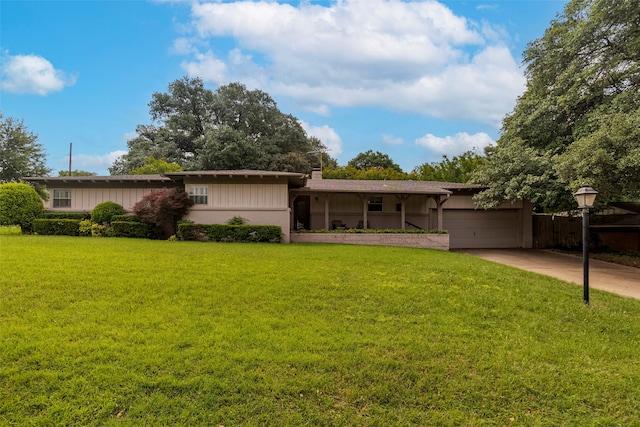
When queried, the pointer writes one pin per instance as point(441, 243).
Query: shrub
point(84, 227)
point(19, 205)
point(163, 209)
point(56, 227)
point(103, 212)
point(67, 215)
point(236, 220)
point(125, 217)
point(230, 233)
point(131, 229)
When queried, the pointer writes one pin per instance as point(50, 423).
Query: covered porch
point(334, 204)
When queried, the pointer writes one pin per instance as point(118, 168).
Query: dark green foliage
point(103, 212)
point(20, 153)
point(370, 159)
point(236, 220)
point(230, 233)
point(56, 227)
point(131, 229)
point(578, 119)
point(231, 128)
point(457, 169)
point(19, 205)
point(67, 215)
point(377, 231)
point(125, 217)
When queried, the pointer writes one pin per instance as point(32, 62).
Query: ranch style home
point(297, 202)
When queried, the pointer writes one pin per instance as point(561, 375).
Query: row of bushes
point(230, 233)
point(377, 231)
point(76, 227)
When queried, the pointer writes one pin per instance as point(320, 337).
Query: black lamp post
point(586, 197)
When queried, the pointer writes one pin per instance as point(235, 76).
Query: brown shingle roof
point(374, 186)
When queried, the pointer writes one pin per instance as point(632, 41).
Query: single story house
point(296, 201)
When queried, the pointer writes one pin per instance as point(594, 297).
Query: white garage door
point(481, 229)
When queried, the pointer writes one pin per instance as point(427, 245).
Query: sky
point(413, 79)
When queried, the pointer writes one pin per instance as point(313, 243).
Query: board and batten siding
point(85, 199)
point(248, 196)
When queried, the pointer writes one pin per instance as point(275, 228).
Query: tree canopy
point(579, 118)
point(20, 153)
point(371, 159)
point(231, 128)
point(457, 169)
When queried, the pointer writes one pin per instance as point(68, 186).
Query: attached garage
point(470, 228)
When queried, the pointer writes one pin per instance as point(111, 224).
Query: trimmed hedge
point(57, 227)
point(125, 217)
point(230, 233)
point(376, 231)
point(67, 215)
point(131, 229)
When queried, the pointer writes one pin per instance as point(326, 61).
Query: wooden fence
point(552, 231)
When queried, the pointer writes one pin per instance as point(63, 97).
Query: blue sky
point(409, 78)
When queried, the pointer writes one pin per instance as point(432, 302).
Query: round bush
point(19, 205)
point(103, 212)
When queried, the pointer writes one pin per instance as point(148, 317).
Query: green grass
point(99, 331)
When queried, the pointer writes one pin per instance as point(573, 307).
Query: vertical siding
point(85, 199)
point(248, 195)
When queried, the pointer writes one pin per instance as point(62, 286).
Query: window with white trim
point(375, 204)
point(61, 198)
point(199, 194)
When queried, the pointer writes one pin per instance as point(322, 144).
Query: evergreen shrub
point(19, 205)
point(230, 233)
point(56, 227)
point(131, 229)
point(103, 212)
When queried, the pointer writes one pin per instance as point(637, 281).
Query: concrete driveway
point(605, 276)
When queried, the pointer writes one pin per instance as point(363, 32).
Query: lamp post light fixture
point(586, 197)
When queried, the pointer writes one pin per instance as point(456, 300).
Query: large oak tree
point(231, 128)
point(579, 117)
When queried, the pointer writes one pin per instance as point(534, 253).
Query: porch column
point(292, 220)
point(365, 210)
point(403, 217)
point(440, 200)
point(326, 211)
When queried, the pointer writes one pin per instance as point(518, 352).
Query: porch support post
point(365, 210)
point(439, 202)
point(403, 217)
point(326, 211)
point(292, 204)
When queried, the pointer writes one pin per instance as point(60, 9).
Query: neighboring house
point(295, 201)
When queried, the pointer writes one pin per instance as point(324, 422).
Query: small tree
point(163, 209)
point(103, 212)
point(19, 205)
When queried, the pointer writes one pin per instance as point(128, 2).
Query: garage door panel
point(481, 229)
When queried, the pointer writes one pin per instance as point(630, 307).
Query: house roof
point(294, 178)
point(95, 179)
point(374, 186)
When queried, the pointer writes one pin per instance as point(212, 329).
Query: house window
point(61, 198)
point(375, 204)
point(198, 194)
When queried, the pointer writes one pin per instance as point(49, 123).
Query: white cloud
point(456, 144)
point(32, 74)
point(93, 162)
point(206, 66)
point(415, 56)
point(129, 136)
point(327, 135)
point(392, 140)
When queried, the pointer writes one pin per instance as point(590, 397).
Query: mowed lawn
point(108, 331)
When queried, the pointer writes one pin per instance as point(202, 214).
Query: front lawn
point(108, 331)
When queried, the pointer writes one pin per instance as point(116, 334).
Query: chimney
point(316, 174)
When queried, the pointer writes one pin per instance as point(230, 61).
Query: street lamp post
point(586, 197)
